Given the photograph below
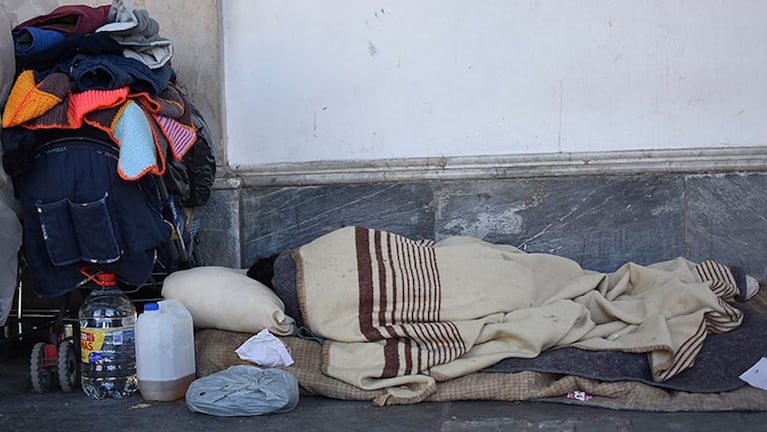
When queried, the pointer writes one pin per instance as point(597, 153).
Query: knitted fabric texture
point(180, 136)
point(169, 103)
point(82, 103)
point(70, 113)
point(171, 115)
point(137, 145)
point(27, 101)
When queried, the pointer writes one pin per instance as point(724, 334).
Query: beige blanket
point(400, 315)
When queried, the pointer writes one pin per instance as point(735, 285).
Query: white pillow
point(227, 299)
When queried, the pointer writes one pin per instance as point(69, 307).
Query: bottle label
point(90, 344)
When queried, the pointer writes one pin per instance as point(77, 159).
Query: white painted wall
point(310, 80)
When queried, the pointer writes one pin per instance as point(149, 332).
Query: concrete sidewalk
point(23, 410)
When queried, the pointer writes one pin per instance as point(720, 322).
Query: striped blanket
point(401, 315)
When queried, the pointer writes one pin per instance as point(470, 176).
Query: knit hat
point(70, 19)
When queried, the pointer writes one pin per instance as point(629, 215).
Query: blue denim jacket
point(77, 211)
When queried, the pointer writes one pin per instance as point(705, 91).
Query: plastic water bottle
point(165, 362)
point(107, 344)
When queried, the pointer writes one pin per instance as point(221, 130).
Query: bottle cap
point(151, 307)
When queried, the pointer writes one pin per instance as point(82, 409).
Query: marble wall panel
point(276, 219)
point(727, 220)
point(601, 222)
point(219, 235)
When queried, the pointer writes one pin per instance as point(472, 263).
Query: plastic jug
point(165, 362)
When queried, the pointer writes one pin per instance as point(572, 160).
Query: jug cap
point(151, 307)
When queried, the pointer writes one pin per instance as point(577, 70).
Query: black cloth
point(278, 272)
point(191, 179)
point(111, 71)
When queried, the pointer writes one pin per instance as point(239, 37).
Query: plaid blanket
point(401, 315)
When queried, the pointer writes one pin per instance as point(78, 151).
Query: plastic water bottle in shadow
point(107, 343)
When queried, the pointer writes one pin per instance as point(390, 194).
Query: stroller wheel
point(67, 366)
point(42, 376)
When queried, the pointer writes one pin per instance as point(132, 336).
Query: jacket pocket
point(96, 234)
point(56, 225)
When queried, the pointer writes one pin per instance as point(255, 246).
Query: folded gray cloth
point(144, 25)
point(121, 17)
point(138, 33)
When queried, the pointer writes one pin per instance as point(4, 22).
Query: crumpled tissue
point(264, 349)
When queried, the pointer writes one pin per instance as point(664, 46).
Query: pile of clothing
point(101, 74)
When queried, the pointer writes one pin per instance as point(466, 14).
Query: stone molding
point(677, 161)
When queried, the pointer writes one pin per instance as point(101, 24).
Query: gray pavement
point(23, 410)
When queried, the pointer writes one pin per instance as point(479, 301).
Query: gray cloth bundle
point(139, 33)
point(243, 390)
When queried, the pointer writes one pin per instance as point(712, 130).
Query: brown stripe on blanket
point(380, 266)
point(685, 355)
point(391, 359)
point(418, 280)
point(724, 321)
point(365, 275)
point(393, 296)
point(723, 282)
